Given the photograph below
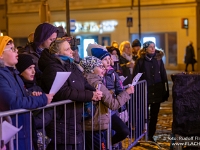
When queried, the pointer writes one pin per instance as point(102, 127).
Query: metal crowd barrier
point(138, 121)
point(137, 110)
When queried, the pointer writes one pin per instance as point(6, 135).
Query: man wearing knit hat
point(44, 35)
point(136, 45)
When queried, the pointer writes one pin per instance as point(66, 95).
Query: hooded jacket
point(101, 117)
point(76, 88)
point(155, 74)
point(41, 34)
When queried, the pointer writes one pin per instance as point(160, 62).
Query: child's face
point(106, 62)
point(100, 70)
point(29, 73)
point(10, 56)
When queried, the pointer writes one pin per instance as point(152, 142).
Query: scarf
point(65, 58)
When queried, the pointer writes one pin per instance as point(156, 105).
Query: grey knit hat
point(147, 43)
point(89, 63)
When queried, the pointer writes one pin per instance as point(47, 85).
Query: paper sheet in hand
point(8, 131)
point(136, 79)
point(59, 80)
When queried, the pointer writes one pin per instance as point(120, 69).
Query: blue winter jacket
point(13, 96)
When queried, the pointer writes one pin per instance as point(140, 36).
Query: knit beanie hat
point(24, 61)
point(146, 44)
point(95, 45)
point(136, 42)
point(43, 32)
point(89, 63)
point(3, 41)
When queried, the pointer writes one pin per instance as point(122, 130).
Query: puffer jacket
point(101, 118)
point(13, 96)
point(76, 88)
point(155, 74)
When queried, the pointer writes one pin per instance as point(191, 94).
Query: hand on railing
point(34, 93)
point(49, 98)
point(130, 89)
point(97, 95)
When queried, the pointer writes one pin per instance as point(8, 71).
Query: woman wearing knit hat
point(150, 63)
point(94, 73)
point(13, 94)
point(44, 35)
point(59, 58)
point(114, 84)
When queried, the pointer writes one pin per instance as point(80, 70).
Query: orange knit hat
point(3, 41)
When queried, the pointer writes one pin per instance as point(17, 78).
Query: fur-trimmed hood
point(159, 53)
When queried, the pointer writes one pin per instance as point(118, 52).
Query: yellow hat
point(3, 41)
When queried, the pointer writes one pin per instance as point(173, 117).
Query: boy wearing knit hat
point(94, 73)
point(13, 94)
point(26, 67)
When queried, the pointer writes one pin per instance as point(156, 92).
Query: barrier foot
point(137, 141)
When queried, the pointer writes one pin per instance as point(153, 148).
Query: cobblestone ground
point(163, 130)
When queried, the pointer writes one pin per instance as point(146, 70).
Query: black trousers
point(186, 66)
point(153, 117)
point(120, 128)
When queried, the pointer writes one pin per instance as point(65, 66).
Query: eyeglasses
point(102, 67)
point(13, 49)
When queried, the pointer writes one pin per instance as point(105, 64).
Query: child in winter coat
point(113, 83)
point(94, 73)
point(26, 68)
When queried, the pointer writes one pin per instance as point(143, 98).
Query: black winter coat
point(189, 55)
point(125, 71)
point(75, 89)
point(155, 74)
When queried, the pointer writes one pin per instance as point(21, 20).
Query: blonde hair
point(121, 47)
point(55, 45)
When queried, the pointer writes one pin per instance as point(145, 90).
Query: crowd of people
point(27, 74)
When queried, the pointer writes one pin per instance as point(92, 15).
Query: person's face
point(114, 52)
point(151, 48)
point(10, 56)
point(65, 49)
point(29, 73)
point(127, 49)
point(47, 43)
point(106, 62)
point(100, 70)
point(135, 49)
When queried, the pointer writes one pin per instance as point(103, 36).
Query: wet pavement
point(164, 125)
